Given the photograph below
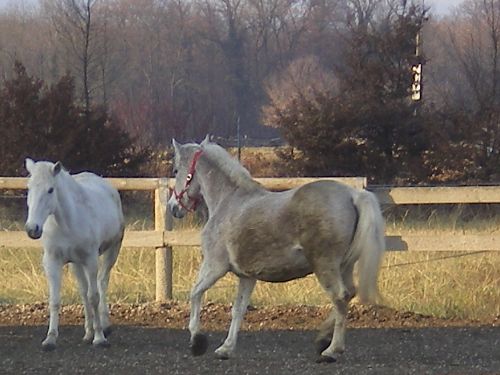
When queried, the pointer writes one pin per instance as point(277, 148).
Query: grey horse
point(322, 227)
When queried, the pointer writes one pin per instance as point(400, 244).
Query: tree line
point(332, 77)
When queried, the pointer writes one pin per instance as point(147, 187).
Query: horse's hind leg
point(325, 334)
point(337, 346)
point(330, 277)
point(209, 273)
point(83, 287)
point(326, 330)
point(53, 269)
point(347, 276)
point(91, 268)
point(240, 305)
point(109, 260)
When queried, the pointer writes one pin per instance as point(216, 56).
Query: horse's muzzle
point(177, 211)
point(33, 231)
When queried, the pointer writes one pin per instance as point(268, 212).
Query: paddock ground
point(152, 339)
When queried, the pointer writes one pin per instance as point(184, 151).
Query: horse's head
point(186, 194)
point(41, 194)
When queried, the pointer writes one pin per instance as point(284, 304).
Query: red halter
point(189, 179)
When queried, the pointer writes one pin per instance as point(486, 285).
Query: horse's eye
point(175, 172)
point(51, 190)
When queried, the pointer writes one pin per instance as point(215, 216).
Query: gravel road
point(154, 350)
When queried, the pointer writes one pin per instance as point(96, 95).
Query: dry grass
point(438, 284)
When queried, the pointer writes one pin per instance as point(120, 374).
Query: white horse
point(78, 217)
point(322, 228)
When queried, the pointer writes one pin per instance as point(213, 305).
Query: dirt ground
point(152, 339)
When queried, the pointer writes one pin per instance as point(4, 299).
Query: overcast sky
point(437, 6)
point(442, 6)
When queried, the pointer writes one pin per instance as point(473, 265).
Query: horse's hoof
point(48, 347)
point(322, 344)
point(107, 331)
point(88, 339)
point(199, 344)
point(340, 350)
point(325, 359)
point(222, 354)
point(101, 344)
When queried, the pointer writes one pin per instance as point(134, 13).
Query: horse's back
point(103, 203)
point(99, 185)
point(92, 181)
point(323, 190)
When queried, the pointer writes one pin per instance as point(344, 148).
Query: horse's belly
point(272, 266)
point(76, 247)
point(283, 274)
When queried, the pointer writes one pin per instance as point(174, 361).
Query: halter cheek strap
point(189, 178)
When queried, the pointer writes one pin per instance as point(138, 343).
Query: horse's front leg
point(52, 267)
point(91, 267)
point(245, 289)
point(209, 273)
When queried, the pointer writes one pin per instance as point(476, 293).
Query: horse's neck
point(216, 186)
point(67, 192)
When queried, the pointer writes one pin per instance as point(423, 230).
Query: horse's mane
point(229, 166)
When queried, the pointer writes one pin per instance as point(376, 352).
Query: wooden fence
point(163, 238)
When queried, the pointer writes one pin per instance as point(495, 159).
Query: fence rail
point(437, 195)
point(163, 238)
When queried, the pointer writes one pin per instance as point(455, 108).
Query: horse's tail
point(368, 244)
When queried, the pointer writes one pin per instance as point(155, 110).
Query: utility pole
point(417, 67)
point(238, 137)
point(416, 71)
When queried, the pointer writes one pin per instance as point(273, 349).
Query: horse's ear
point(56, 168)
point(176, 145)
point(29, 163)
point(206, 140)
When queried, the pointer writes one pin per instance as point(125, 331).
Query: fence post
point(163, 255)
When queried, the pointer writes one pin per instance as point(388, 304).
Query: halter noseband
point(189, 179)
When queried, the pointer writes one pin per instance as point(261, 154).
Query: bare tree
point(76, 26)
point(276, 31)
point(473, 41)
point(304, 79)
point(24, 36)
